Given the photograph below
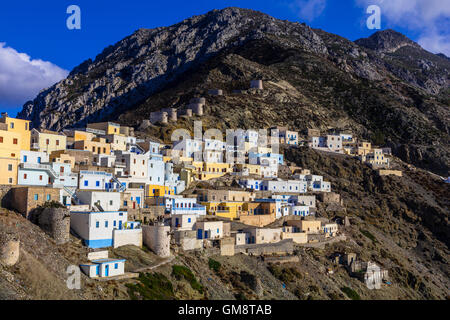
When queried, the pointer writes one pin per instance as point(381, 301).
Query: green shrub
point(352, 294)
point(214, 265)
point(369, 235)
point(240, 296)
point(182, 272)
point(154, 286)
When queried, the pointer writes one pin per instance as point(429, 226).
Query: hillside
point(385, 88)
point(397, 222)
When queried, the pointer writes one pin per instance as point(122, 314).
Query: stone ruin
point(368, 272)
point(56, 223)
point(166, 115)
point(9, 248)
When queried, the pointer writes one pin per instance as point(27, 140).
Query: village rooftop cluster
point(121, 190)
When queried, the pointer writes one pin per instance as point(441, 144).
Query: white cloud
point(21, 78)
point(429, 18)
point(309, 9)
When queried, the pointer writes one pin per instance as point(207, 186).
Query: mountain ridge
point(125, 76)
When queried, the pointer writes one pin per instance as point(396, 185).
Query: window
point(106, 224)
point(110, 202)
point(97, 224)
point(114, 223)
point(1, 139)
point(189, 220)
point(40, 178)
point(125, 203)
point(48, 197)
point(10, 180)
point(116, 266)
point(57, 142)
point(25, 158)
point(47, 142)
point(15, 141)
point(36, 197)
point(12, 125)
point(97, 183)
point(10, 167)
point(25, 176)
point(86, 183)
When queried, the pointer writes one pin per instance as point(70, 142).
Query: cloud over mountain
point(21, 78)
point(431, 19)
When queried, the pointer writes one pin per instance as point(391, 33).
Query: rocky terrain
point(399, 223)
point(385, 88)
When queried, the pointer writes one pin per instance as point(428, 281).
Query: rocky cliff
point(384, 87)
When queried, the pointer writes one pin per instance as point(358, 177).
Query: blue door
point(97, 270)
point(199, 234)
point(107, 270)
point(138, 200)
point(206, 234)
point(177, 222)
point(120, 225)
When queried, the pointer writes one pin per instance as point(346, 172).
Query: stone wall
point(127, 237)
point(227, 246)
point(282, 247)
point(257, 220)
point(5, 196)
point(330, 197)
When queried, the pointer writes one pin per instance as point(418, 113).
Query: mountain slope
point(384, 87)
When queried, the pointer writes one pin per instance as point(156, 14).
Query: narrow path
point(168, 260)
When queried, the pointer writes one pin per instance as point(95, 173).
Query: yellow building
point(363, 148)
point(14, 137)
point(250, 168)
point(47, 141)
point(96, 146)
point(211, 170)
point(118, 142)
point(107, 127)
point(18, 126)
point(61, 157)
point(82, 135)
point(154, 190)
point(230, 210)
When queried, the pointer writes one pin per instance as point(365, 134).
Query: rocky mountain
point(385, 88)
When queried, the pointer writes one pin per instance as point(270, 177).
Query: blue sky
point(38, 30)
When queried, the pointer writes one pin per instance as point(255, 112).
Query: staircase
point(121, 187)
point(74, 196)
point(98, 206)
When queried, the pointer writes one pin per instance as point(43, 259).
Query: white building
point(179, 205)
point(209, 230)
point(136, 165)
point(98, 200)
point(104, 268)
point(183, 221)
point(97, 228)
point(95, 180)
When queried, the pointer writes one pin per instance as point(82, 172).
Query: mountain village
point(109, 188)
